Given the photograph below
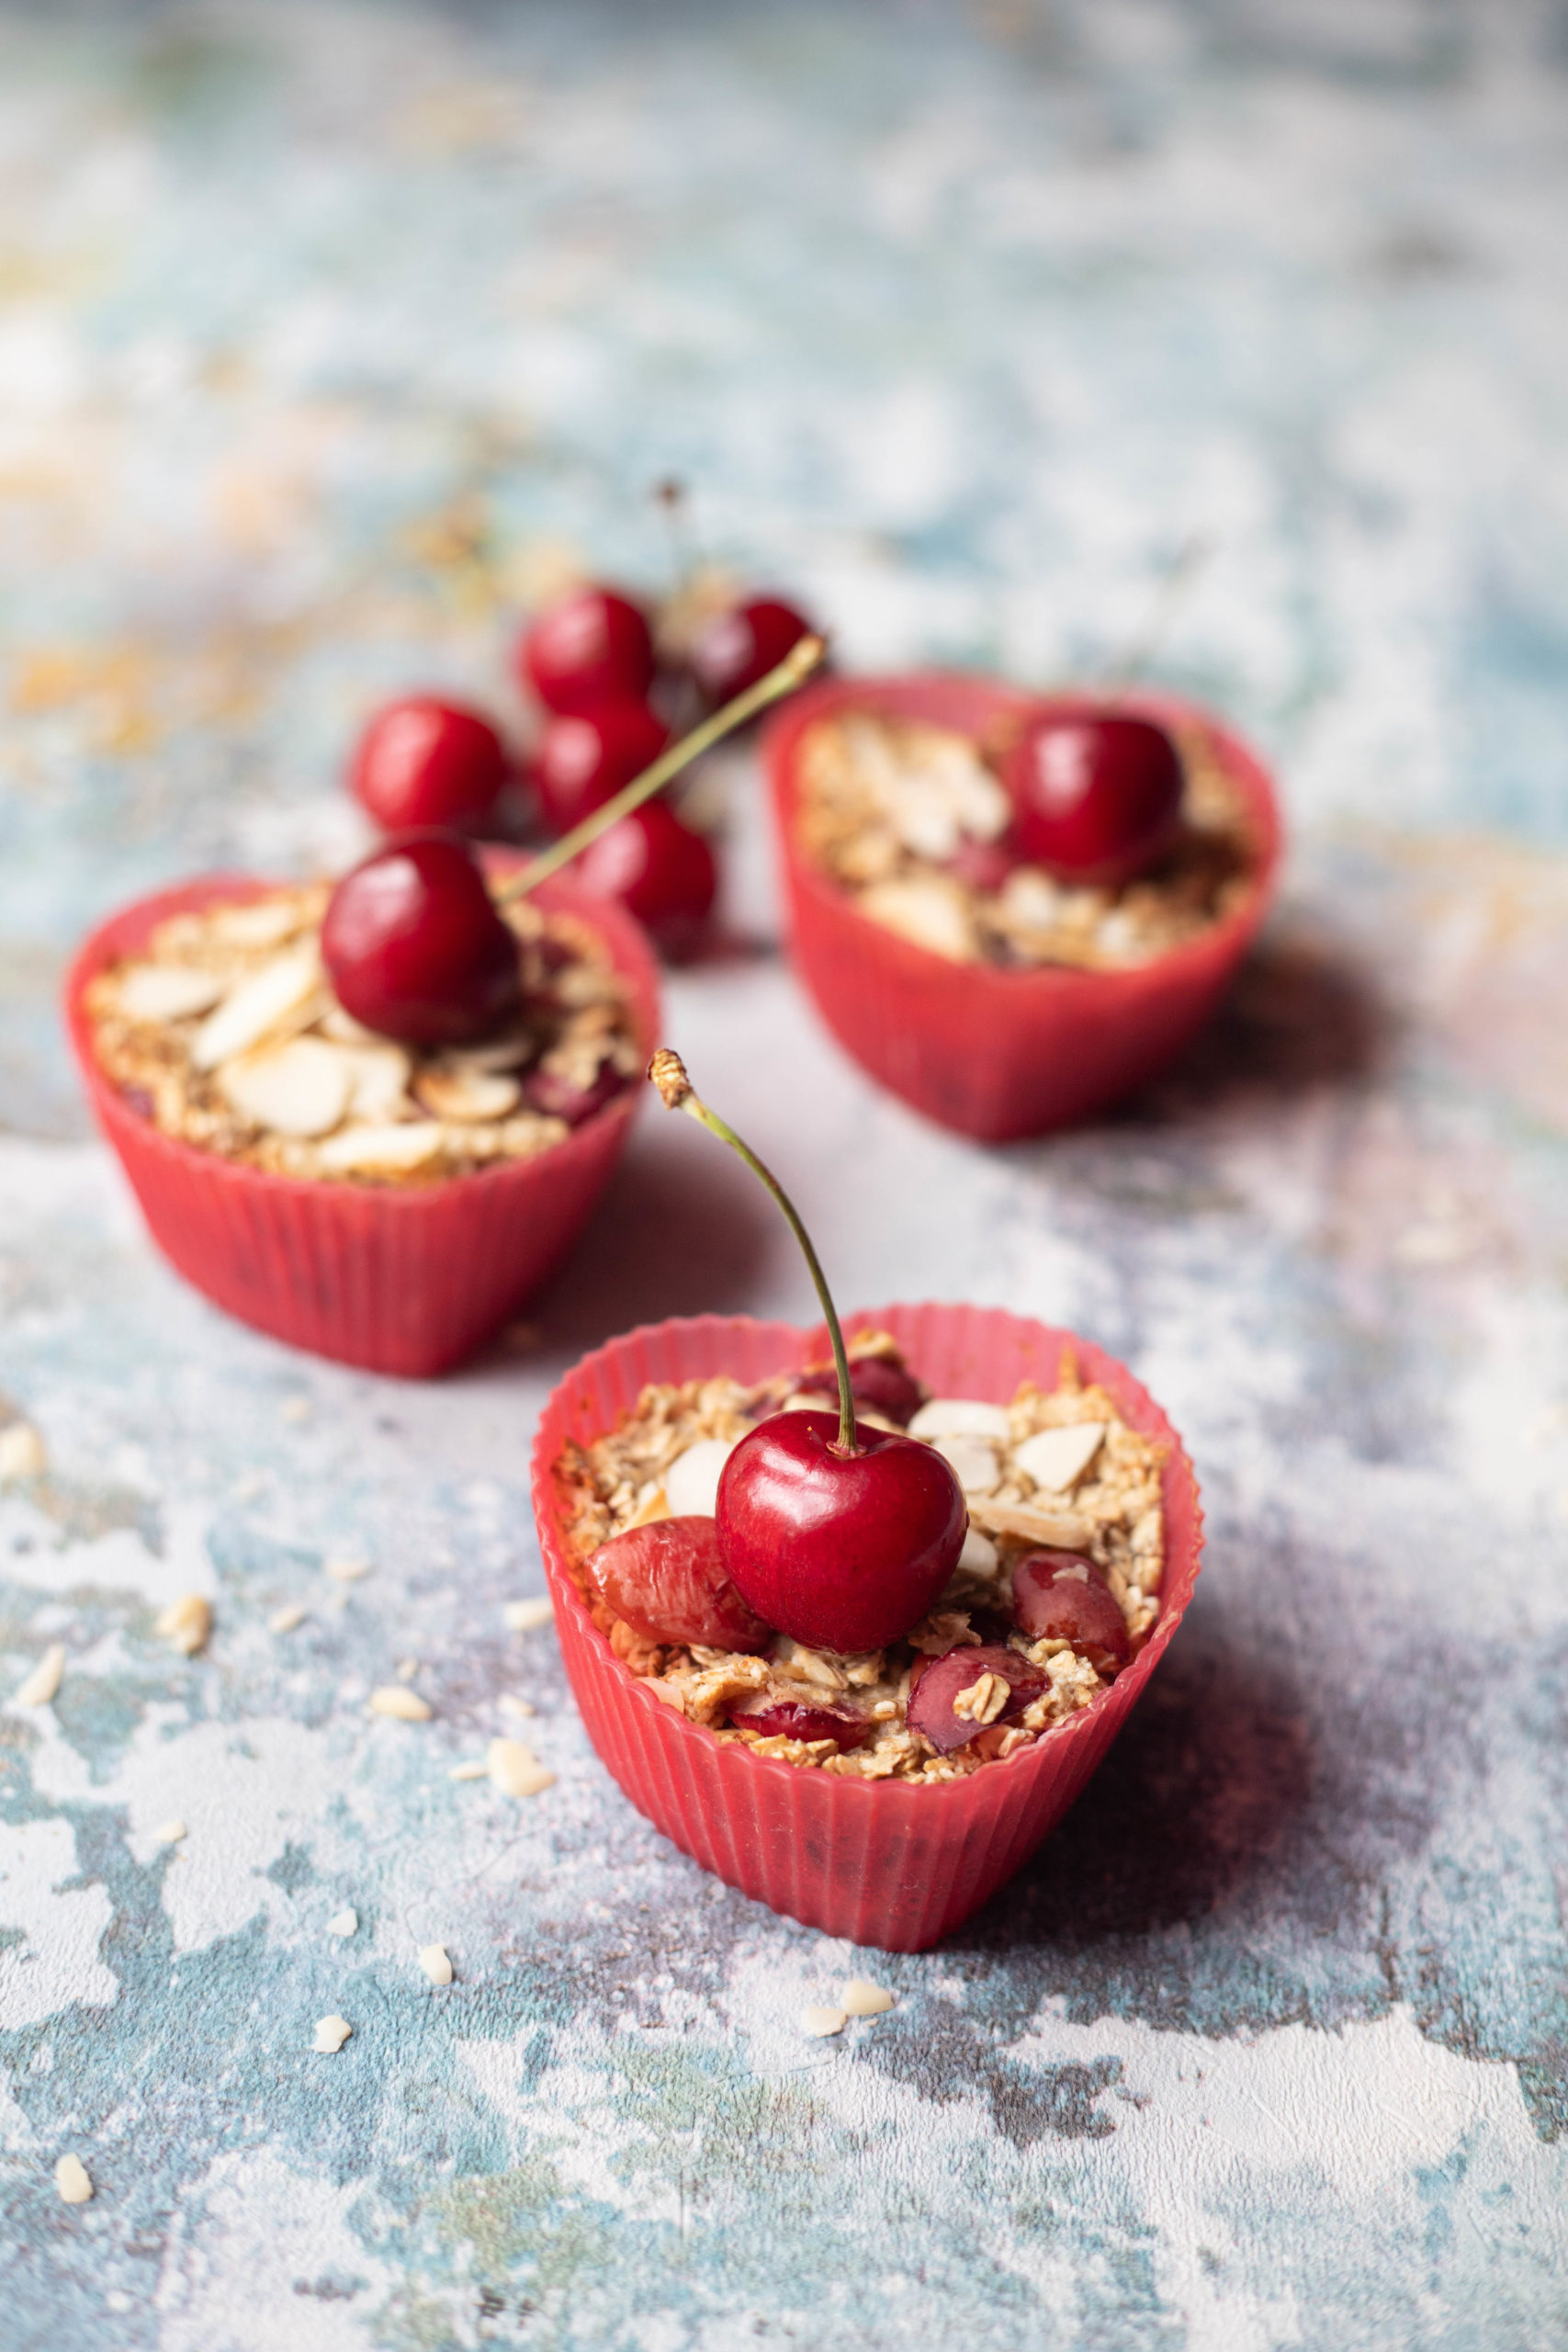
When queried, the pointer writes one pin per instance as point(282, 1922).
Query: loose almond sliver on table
point(186, 1622)
point(395, 1699)
point(331, 2034)
point(43, 1682)
point(516, 1771)
point(821, 2022)
point(72, 2181)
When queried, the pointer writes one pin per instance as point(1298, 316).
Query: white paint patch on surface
point(59, 1963)
point(118, 1562)
point(246, 2231)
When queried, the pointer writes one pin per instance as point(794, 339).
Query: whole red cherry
point(425, 761)
point(930, 1710)
point(661, 869)
point(593, 647)
point(790, 1719)
point(1063, 1597)
point(584, 758)
point(738, 646)
point(668, 1581)
point(877, 1382)
point(842, 1551)
point(1098, 793)
point(414, 947)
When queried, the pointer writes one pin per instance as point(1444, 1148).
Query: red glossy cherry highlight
point(584, 759)
point(789, 1719)
point(668, 1582)
point(659, 869)
point(738, 646)
point(843, 1551)
point(415, 947)
point(1098, 793)
point(422, 760)
point(878, 1383)
point(593, 647)
point(1063, 1597)
point(931, 1709)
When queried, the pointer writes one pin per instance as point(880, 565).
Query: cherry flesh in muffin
point(738, 646)
point(593, 647)
point(840, 1536)
point(931, 1709)
point(1098, 793)
point(1063, 1597)
point(415, 947)
point(668, 1582)
point(791, 1719)
point(661, 870)
point(584, 759)
point(422, 760)
point(880, 1385)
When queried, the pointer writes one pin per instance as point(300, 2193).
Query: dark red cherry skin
point(414, 947)
point(786, 1718)
point(546, 1091)
point(738, 646)
point(584, 758)
point(593, 647)
point(931, 1700)
point(425, 761)
point(1098, 793)
point(668, 1581)
point(876, 1382)
point(842, 1552)
point(1063, 1597)
point(660, 870)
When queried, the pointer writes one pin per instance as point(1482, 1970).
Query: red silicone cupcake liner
point(406, 1280)
point(999, 1054)
point(879, 1862)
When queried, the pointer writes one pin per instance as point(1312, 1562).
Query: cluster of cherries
point(843, 1535)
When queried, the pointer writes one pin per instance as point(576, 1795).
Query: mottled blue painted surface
point(316, 327)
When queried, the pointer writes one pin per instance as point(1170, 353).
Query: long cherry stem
point(793, 670)
point(668, 1072)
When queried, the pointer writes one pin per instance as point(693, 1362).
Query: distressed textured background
point(319, 327)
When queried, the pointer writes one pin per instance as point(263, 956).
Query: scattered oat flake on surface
point(433, 1959)
point(348, 1569)
point(331, 2034)
point(862, 2000)
point(397, 1699)
point(512, 1703)
point(170, 1834)
point(517, 1771)
point(406, 1668)
point(71, 2181)
point(295, 1409)
point(285, 1620)
point(44, 1681)
point(22, 1452)
point(474, 1768)
point(344, 1923)
point(526, 1616)
point(188, 1623)
point(821, 2022)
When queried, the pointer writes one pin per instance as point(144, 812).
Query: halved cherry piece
point(584, 758)
point(593, 647)
point(414, 945)
point(422, 760)
point(559, 1098)
point(738, 646)
point(1063, 1597)
point(658, 869)
point(931, 1709)
point(878, 1383)
point(984, 865)
point(668, 1581)
point(788, 1719)
point(1098, 793)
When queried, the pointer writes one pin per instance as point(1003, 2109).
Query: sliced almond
point(474, 1768)
point(260, 922)
point(167, 991)
point(691, 1483)
point(405, 1706)
point(344, 1030)
point(978, 1557)
point(170, 1833)
point(961, 1417)
point(526, 1616)
point(1058, 1458)
point(344, 1923)
point(186, 1622)
point(43, 1682)
point(466, 1095)
point(973, 1460)
point(253, 1009)
point(71, 2184)
point(22, 1452)
point(299, 1089)
point(821, 2022)
point(331, 2034)
point(1062, 1531)
point(860, 1998)
point(377, 1079)
point(374, 1150)
point(437, 1966)
point(928, 910)
point(497, 1053)
point(287, 1619)
point(516, 1771)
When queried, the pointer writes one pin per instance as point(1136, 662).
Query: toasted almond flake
point(250, 1012)
point(406, 1668)
point(346, 1567)
point(370, 1150)
point(517, 1771)
point(1066, 1531)
point(860, 1998)
point(377, 1079)
point(496, 1053)
point(344, 1923)
point(186, 1622)
point(433, 1961)
point(655, 1505)
point(928, 910)
point(691, 1483)
point(23, 1453)
point(978, 1556)
point(285, 1620)
point(71, 2181)
point(258, 922)
point(466, 1095)
point(396, 1700)
point(42, 1683)
point(475, 1768)
point(296, 1411)
point(511, 1703)
point(1058, 1458)
point(171, 1833)
point(961, 1417)
point(527, 1616)
point(331, 2034)
point(821, 2022)
point(298, 1089)
point(166, 991)
point(974, 1461)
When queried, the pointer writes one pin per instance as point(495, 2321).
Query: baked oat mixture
point(910, 820)
point(225, 1032)
point(1059, 1471)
